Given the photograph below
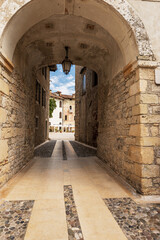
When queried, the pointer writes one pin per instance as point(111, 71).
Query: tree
point(52, 106)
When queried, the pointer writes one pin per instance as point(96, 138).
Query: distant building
point(64, 115)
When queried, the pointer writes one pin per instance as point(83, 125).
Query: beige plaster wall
point(149, 12)
point(70, 114)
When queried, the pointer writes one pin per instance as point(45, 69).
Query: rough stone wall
point(128, 132)
point(16, 123)
point(128, 139)
point(146, 153)
point(77, 100)
point(86, 109)
point(42, 112)
point(115, 119)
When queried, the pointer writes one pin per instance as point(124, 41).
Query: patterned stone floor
point(74, 228)
point(138, 222)
point(82, 151)
point(14, 218)
point(45, 151)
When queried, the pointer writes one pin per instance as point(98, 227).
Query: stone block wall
point(86, 109)
point(146, 152)
point(129, 126)
point(16, 123)
point(115, 119)
point(129, 136)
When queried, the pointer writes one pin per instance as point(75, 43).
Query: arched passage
point(105, 36)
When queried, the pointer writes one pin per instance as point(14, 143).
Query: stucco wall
point(149, 12)
point(55, 120)
point(69, 113)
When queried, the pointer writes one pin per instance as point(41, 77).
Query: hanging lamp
point(66, 64)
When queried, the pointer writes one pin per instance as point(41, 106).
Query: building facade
point(41, 105)
point(63, 119)
point(86, 106)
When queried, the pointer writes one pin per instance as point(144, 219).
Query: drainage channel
point(64, 151)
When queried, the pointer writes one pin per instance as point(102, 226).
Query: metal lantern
point(66, 64)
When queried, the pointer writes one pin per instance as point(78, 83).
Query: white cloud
point(65, 88)
point(70, 77)
point(63, 83)
point(71, 84)
point(55, 79)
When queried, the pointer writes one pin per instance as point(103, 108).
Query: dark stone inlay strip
point(83, 151)
point(64, 151)
point(46, 150)
point(74, 228)
point(14, 219)
point(137, 221)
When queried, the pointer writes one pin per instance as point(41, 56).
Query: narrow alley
point(64, 193)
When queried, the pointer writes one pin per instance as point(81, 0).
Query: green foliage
point(52, 106)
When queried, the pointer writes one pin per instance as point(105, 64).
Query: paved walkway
point(62, 136)
point(61, 198)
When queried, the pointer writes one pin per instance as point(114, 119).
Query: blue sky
point(61, 82)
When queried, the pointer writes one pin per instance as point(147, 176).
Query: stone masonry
point(128, 133)
point(120, 42)
point(86, 124)
point(16, 125)
point(18, 109)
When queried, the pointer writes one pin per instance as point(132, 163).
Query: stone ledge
point(6, 63)
point(130, 67)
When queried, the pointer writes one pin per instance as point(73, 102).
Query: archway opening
point(99, 39)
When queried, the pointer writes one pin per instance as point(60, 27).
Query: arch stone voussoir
point(136, 24)
point(9, 8)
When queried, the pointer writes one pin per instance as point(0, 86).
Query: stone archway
point(123, 8)
point(106, 36)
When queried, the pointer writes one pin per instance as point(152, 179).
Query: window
point(84, 84)
point(44, 72)
point(46, 130)
point(70, 107)
point(38, 91)
point(43, 97)
point(60, 115)
point(65, 117)
point(83, 74)
point(94, 79)
point(36, 122)
point(60, 104)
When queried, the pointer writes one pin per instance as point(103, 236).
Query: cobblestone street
point(73, 199)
